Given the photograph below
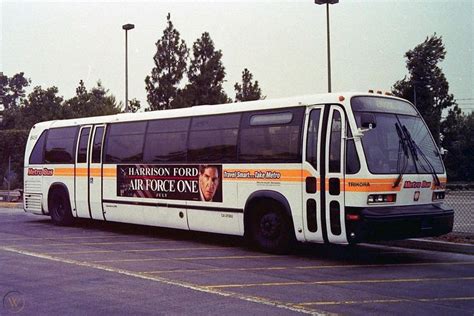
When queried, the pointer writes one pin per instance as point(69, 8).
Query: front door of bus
point(311, 176)
point(95, 173)
point(333, 191)
point(88, 194)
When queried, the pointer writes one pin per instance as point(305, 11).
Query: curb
point(11, 205)
point(434, 245)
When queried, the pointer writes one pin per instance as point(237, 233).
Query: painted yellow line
point(186, 285)
point(63, 237)
point(382, 301)
point(188, 258)
point(330, 282)
point(131, 250)
point(215, 270)
point(101, 243)
point(349, 266)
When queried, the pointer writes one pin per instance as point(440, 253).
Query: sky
point(282, 43)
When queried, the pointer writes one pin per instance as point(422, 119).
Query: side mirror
point(368, 121)
point(443, 152)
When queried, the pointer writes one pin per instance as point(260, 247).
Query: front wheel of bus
point(271, 228)
point(60, 208)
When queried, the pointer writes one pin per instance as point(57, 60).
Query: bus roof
point(211, 109)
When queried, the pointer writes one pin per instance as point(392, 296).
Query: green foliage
point(134, 105)
point(205, 74)
point(40, 105)
point(12, 90)
point(170, 66)
point(247, 91)
point(95, 102)
point(12, 145)
point(458, 139)
point(426, 86)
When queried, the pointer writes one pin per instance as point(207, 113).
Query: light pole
point(327, 3)
point(126, 27)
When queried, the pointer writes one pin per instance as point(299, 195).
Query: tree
point(134, 105)
point(426, 86)
point(12, 90)
point(95, 102)
point(205, 74)
point(458, 138)
point(41, 105)
point(247, 91)
point(170, 60)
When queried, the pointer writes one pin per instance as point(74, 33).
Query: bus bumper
point(399, 222)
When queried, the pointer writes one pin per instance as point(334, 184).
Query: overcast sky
point(283, 43)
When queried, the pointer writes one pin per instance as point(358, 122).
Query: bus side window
point(335, 143)
point(37, 154)
point(213, 138)
point(60, 145)
point(83, 142)
point(271, 136)
point(97, 146)
point(166, 140)
point(352, 159)
point(125, 142)
point(312, 140)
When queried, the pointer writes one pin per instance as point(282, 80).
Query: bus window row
point(259, 136)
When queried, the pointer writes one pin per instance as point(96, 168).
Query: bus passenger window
point(60, 145)
point(125, 142)
point(37, 155)
point(97, 146)
point(352, 159)
point(335, 143)
point(213, 138)
point(312, 140)
point(83, 142)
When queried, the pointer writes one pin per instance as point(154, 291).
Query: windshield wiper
point(402, 148)
point(415, 149)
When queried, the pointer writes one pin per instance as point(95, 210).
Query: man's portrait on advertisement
point(210, 183)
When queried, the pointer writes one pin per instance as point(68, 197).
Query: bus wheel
point(60, 208)
point(270, 228)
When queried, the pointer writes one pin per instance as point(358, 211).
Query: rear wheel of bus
point(60, 208)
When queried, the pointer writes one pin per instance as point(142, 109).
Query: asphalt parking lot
point(110, 268)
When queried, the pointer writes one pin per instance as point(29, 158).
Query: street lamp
point(126, 27)
point(327, 3)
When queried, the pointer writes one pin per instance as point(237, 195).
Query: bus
point(339, 168)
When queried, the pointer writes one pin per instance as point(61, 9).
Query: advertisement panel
point(171, 182)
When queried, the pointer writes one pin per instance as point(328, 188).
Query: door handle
point(91, 180)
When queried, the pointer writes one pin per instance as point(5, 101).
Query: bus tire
point(60, 208)
point(270, 227)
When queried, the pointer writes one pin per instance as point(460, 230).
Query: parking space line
point(190, 286)
point(131, 250)
point(63, 237)
point(383, 301)
point(104, 243)
point(331, 282)
point(349, 266)
point(187, 258)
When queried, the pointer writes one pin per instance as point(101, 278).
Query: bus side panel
point(140, 210)
point(216, 216)
point(284, 179)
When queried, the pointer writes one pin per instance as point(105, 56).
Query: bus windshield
point(386, 149)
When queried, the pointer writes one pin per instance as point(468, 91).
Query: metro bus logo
point(416, 184)
point(40, 172)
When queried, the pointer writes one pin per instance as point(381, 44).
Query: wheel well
point(265, 196)
point(59, 188)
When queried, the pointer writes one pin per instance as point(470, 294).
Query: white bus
point(331, 168)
